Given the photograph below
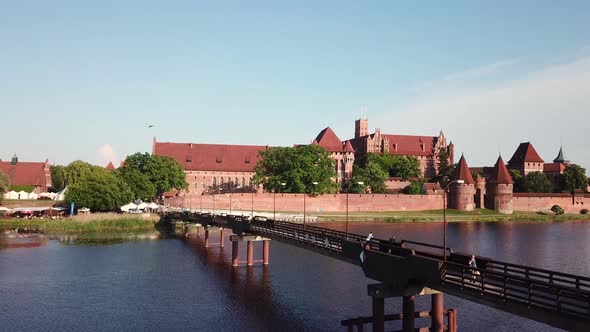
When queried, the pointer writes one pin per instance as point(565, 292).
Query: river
point(176, 284)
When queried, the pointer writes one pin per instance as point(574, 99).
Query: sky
point(85, 80)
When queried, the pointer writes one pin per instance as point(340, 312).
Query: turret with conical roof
point(461, 194)
point(560, 157)
point(499, 188)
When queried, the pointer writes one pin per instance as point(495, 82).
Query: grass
point(94, 223)
point(481, 215)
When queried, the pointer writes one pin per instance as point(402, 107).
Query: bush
point(557, 209)
point(584, 211)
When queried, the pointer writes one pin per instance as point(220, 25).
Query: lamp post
point(274, 201)
point(305, 194)
point(445, 217)
point(360, 183)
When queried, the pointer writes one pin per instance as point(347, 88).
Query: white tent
point(23, 194)
point(153, 206)
point(127, 207)
point(11, 195)
point(48, 195)
point(142, 206)
point(32, 195)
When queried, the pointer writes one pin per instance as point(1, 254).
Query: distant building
point(526, 159)
point(341, 152)
point(213, 167)
point(35, 174)
point(425, 148)
point(110, 166)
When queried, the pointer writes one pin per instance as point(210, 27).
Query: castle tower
point(461, 194)
point(499, 189)
point(361, 128)
point(348, 160)
point(480, 192)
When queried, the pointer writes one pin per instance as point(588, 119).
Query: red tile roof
point(500, 173)
point(348, 147)
point(554, 168)
point(462, 172)
point(525, 153)
point(409, 145)
point(328, 140)
point(211, 157)
point(110, 166)
point(25, 173)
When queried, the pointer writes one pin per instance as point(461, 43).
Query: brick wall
point(294, 202)
point(536, 202)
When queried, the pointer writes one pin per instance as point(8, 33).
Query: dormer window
point(189, 158)
point(218, 159)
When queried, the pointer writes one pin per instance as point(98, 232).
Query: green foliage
point(164, 173)
point(405, 167)
point(415, 188)
point(372, 175)
point(25, 188)
point(584, 211)
point(99, 190)
point(536, 182)
point(139, 183)
point(58, 177)
point(4, 185)
point(445, 168)
point(575, 178)
point(298, 168)
point(77, 170)
point(558, 210)
point(519, 186)
point(355, 185)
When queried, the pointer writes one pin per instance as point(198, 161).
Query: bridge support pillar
point(378, 314)
point(206, 238)
point(221, 238)
point(265, 251)
point(409, 304)
point(250, 252)
point(437, 308)
point(234, 254)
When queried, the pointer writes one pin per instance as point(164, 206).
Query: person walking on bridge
point(473, 265)
point(369, 238)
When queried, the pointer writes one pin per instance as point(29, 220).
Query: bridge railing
point(564, 299)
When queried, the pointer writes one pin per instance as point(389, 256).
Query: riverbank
point(94, 223)
point(479, 215)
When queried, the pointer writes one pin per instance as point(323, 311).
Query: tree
point(372, 175)
point(575, 178)
point(518, 179)
point(415, 188)
point(405, 167)
point(139, 183)
point(58, 177)
point(4, 185)
point(445, 168)
point(298, 168)
point(100, 191)
point(164, 173)
point(536, 182)
point(77, 170)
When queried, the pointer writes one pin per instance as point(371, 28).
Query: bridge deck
point(552, 297)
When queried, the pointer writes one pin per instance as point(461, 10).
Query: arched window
point(214, 182)
point(237, 184)
point(221, 182)
point(243, 182)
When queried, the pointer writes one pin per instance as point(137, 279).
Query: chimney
point(14, 160)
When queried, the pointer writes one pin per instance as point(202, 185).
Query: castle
point(494, 188)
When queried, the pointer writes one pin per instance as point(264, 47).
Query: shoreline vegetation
point(90, 224)
point(113, 223)
point(478, 215)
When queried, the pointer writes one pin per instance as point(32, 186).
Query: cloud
point(543, 106)
point(106, 154)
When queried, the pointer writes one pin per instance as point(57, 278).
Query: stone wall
point(362, 202)
point(544, 202)
point(314, 204)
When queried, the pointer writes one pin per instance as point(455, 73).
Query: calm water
point(175, 284)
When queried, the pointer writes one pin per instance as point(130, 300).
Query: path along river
point(177, 285)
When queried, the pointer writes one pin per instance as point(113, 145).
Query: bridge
point(408, 268)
